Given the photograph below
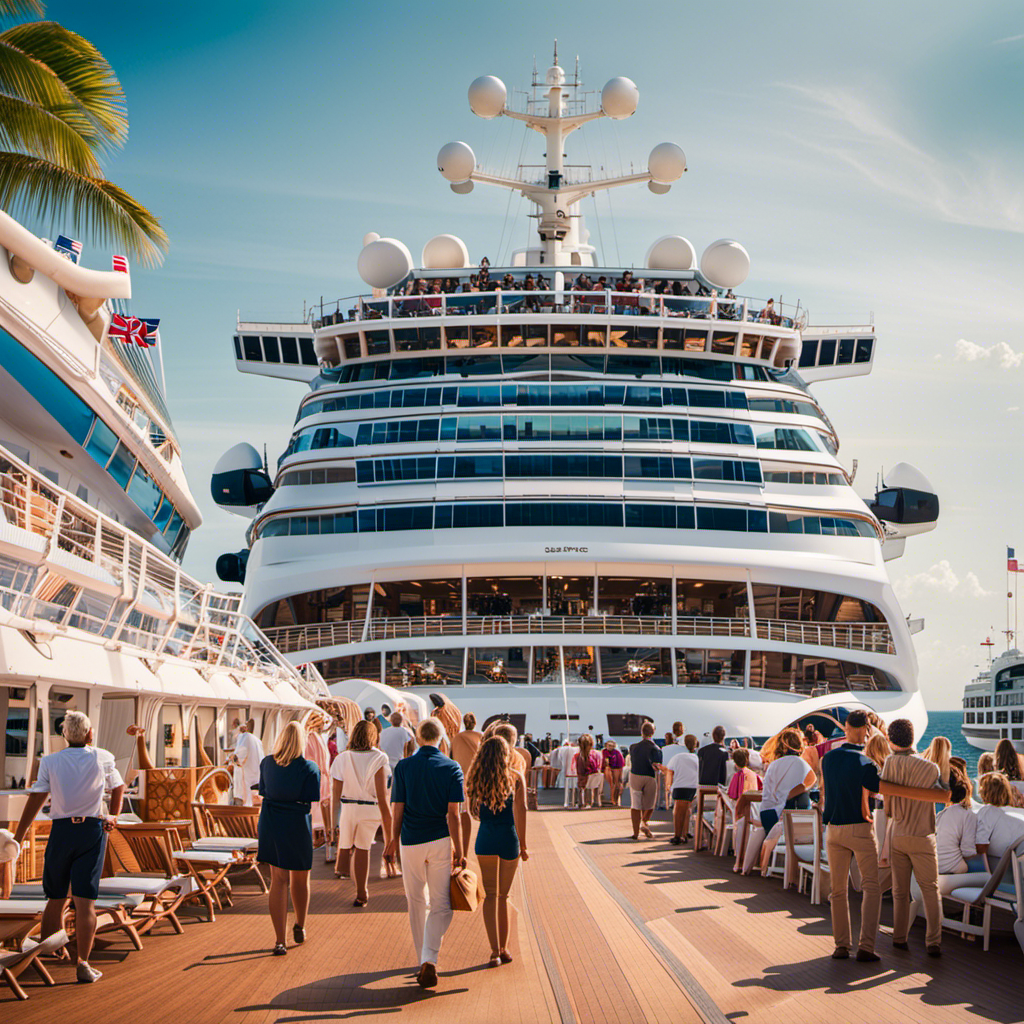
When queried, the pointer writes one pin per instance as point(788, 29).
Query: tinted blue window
point(757, 521)
point(144, 492)
point(442, 517)
point(684, 517)
point(122, 465)
point(102, 443)
point(651, 516)
point(163, 514)
point(173, 526)
point(733, 519)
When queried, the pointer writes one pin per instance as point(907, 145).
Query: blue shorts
point(74, 859)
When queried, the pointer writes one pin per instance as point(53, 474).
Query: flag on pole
point(120, 263)
point(1011, 561)
point(152, 325)
point(69, 248)
point(129, 330)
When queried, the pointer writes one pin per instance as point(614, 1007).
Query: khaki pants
point(845, 842)
point(915, 855)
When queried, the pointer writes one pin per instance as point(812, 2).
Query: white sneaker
point(88, 974)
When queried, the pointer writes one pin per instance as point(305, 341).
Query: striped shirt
point(910, 817)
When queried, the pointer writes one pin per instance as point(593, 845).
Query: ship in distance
point(572, 493)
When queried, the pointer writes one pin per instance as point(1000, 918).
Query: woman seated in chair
point(956, 829)
point(1000, 824)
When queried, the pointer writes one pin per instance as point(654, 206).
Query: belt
point(78, 820)
point(352, 800)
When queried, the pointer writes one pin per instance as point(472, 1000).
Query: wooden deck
point(606, 930)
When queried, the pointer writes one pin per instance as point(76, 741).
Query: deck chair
point(595, 785)
point(725, 822)
point(801, 839)
point(816, 871)
point(14, 964)
point(704, 818)
point(225, 829)
point(113, 913)
point(993, 895)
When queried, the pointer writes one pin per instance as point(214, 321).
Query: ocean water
point(947, 723)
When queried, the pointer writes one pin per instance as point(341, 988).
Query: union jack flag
point(120, 263)
point(68, 247)
point(130, 330)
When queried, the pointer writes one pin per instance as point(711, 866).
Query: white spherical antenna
point(462, 188)
point(445, 252)
point(671, 252)
point(619, 98)
point(487, 96)
point(384, 263)
point(659, 188)
point(725, 263)
point(241, 456)
point(666, 162)
point(903, 474)
point(456, 161)
point(370, 236)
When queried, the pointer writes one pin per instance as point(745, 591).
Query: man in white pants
point(426, 794)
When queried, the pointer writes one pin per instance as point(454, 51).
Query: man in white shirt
point(397, 741)
point(75, 779)
point(247, 756)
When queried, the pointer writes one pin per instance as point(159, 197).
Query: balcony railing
point(858, 636)
point(64, 564)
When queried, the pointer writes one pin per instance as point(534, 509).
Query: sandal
point(360, 901)
point(495, 960)
point(505, 956)
point(280, 949)
point(299, 934)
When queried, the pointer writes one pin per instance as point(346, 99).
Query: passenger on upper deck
point(768, 314)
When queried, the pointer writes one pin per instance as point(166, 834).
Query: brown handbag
point(466, 890)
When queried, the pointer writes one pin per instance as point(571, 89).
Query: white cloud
point(970, 352)
point(1007, 39)
point(1013, 408)
point(941, 580)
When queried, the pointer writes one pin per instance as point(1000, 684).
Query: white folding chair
point(988, 897)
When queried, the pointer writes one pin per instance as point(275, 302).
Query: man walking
point(713, 758)
point(644, 763)
point(75, 780)
point(426, 794)
point(247, 757)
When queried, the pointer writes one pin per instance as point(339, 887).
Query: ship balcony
point(870, 637)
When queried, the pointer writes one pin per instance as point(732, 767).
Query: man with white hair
point(75, 780)
point(247, 756)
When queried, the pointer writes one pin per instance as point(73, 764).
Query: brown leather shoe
point(427, 978)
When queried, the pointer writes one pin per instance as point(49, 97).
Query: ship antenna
point(555, 61)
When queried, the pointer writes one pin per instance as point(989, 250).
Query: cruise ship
point(994, 701)
point(96, 613)
point(572, 493)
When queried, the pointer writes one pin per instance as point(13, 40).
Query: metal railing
point(547, 301)
point(67, 565)
point(859, 636)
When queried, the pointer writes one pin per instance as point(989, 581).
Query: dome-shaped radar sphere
point(666, 162)
point(384, 263)
point(671, 252)
point(903, 474)
point(461, 188)
point(445, 252)
point(370, 236)
point(659, 188)
point(619, 98)
point(487, 96)
point(725, 263)
point(241, 456)
point(456, 161)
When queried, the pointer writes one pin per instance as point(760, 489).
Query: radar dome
point(456, 161)
point(619, 98)
point(443, 252)
point(384, 263)
point(725, 263)
point(462, 188)
point(671, 252)
point(666, 162)
point(241, 456)
point(903, 474)
point(370, 236)
point(487, 96)
point(659, 188)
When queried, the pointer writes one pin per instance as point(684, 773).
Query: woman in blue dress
point(289, 785)
point(496, 792)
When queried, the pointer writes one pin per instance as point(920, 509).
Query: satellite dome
point(487, 96)
point(370, 236)
point(456, 161)
point(671, 252)
point(445, 252)
point(462, 188)
point(241, 456)
point(619, 98)
point(384, 263)
point(905, 475)
point(725, 263)
point(659, 188)
point(555, 75)
point(666, 162)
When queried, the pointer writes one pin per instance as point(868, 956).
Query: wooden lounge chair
point(14, 964)
point(725, 822)
point(114, 913)
point(801, 842)
point(707, 796)
point(225, 829)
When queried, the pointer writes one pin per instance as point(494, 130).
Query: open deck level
point(606, 930)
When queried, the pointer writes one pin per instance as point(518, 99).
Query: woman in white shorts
point(360, 783)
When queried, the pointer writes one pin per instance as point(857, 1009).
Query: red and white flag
point(120, 263)
point(129, 330)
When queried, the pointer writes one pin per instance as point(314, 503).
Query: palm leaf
point(96, 206)
point(90, 80)
point(21, 9)
point(41, 133)
point(24, 76)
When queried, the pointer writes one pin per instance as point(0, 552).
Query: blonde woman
point(289, 785)
point(938, 753)
point(360, 784)
point(497, 797)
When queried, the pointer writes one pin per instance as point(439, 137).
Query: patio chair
point(704, 818)
point(225, 829)
point(14, 964)
point(725, 822)
point(113, 913)
point(801, 842)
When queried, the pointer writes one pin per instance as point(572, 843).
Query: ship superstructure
point(571, 493)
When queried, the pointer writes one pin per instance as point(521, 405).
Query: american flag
point(120, 263)
point(130, 330)
point(1011, 561)
point(68, 247)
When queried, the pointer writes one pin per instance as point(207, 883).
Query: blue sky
point(869, 156)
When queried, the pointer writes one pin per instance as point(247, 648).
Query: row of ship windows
point(346, 474)
point(588, 394)
point(1000, 700)
point(293, 351)
point(545, 428)
point(555, 466)
point(498, 364)
point(836, 351)
point(582, 513)
point(985, 717)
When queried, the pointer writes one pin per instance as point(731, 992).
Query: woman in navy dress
point(496, 792)
point(289, 785)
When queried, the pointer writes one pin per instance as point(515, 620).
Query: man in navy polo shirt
point(426, 794)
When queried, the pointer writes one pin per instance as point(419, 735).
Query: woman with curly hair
point(497, 797)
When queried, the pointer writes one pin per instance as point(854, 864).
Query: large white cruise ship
point(572, 493)
point(96, 613)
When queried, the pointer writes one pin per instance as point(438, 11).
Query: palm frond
point(40, 133)
point(22, 75)
point(96, 206)
point(89, 79)
point(21, 9)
